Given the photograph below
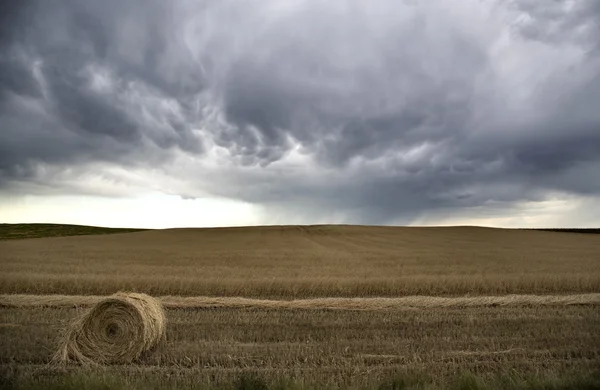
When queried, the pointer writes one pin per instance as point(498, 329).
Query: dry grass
point(117, 329)
point(326, 306)
point(302, 262)
point(399, 303)
point(361, 348)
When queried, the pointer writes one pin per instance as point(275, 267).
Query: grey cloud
point(561, 21)
point(17, 79)
point(135, 38)
point(399, 108)
point(82, 110)
point(390, 91)
point(58, 116)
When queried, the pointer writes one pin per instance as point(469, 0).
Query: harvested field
point(306, 261)
point(361, 348)
point(316, 307)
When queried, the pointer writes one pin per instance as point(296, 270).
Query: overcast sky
point(211, 113)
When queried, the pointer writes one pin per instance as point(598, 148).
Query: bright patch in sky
point(146, 211)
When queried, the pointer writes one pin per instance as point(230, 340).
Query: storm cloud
point(365, 112)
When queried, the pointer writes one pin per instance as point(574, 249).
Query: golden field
point(316, 307)
point(332, 349)
point(306, 261)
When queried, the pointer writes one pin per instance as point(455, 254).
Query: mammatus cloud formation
point(362, 112)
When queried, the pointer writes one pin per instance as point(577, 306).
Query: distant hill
point(10, 231)
point(571, 230)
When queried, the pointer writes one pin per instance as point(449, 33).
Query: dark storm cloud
point(345, 89)
point(15, 78)
point(51, 110)
point(561, 21)
point(395, 108)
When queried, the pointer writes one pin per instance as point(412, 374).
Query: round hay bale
point(119, 329)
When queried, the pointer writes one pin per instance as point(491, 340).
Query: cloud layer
point(366, 112)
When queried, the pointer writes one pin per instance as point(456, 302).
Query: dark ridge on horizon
point(9, 231)
point(570, 230)
point(13, 231)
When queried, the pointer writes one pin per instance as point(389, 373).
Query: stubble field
point(317, 307)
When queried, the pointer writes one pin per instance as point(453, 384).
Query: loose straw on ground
point(382, 303)
point(118, 329)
